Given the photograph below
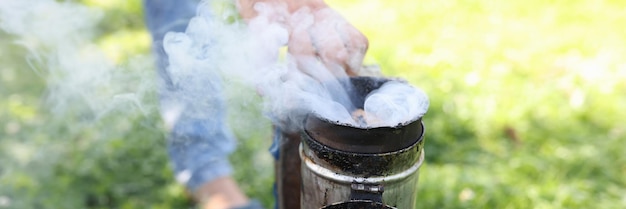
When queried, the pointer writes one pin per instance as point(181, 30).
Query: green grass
point(527, 102)
point(525, 98)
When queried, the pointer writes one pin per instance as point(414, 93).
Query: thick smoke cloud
point(291, 88)
point(249, 53)
point(81, 79)
point(209, 52)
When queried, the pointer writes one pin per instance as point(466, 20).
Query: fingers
point(300, 43)
point(315, 34)
point(246, 9)
point(275, 11)
point(357, 45)
point(325, 34)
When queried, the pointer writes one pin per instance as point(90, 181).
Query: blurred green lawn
point(527, 102)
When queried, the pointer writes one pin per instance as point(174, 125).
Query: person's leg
point(193, 110)
point(275, 151)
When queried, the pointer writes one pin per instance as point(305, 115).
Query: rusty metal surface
point(361, 164)
point(363, 140)
point(324, 186)
point(341, 176)
point(329, 174)
point(336, 157)
point(288, 176)
point(318, 192)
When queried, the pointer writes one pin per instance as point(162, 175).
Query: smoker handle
point(361, 191)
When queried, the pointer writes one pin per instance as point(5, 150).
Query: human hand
point(221, 193)
point(326, 35)
point(315, 31)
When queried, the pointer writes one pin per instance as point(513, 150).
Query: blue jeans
point(200, 140)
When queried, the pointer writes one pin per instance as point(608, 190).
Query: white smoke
point(394, 103)
point(249, 53)
point(84, 85)
point(78, 72)
point(80, 78)
point(91, 100)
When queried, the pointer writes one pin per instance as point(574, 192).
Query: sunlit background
point(528, 100)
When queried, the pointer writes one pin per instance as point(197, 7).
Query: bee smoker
point(344, 167)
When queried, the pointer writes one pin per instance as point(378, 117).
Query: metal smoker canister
point(350, 167)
